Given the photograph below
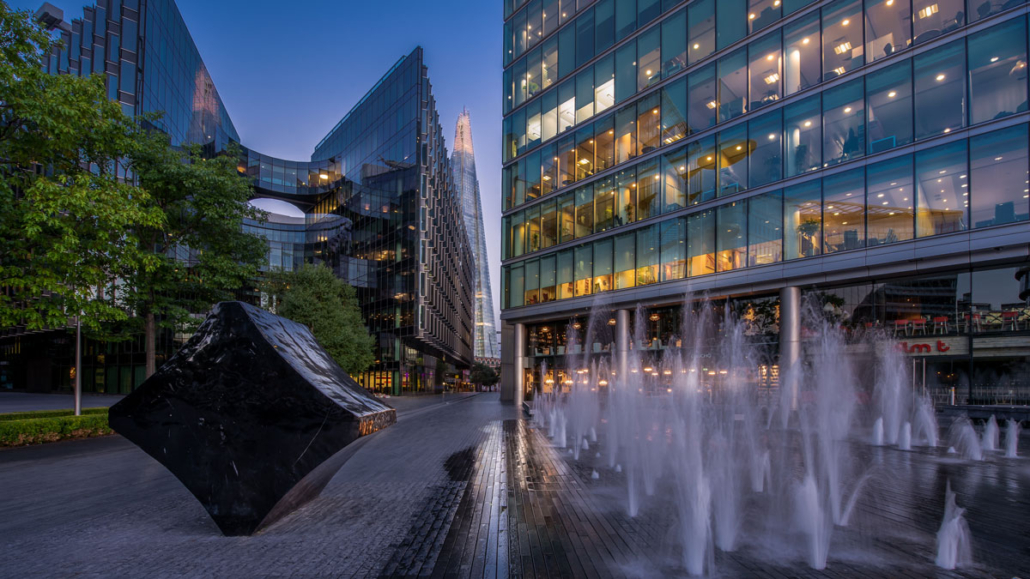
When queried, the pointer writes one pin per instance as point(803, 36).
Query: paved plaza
point(464, 487)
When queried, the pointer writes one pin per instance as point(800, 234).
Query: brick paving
point(469, 489)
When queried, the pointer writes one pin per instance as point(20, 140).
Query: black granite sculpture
point(251, 415)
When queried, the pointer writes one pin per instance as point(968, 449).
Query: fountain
point(990, 435)
point(954, 542)
point(1011, 438)
point(738, 463)
point(965, 441)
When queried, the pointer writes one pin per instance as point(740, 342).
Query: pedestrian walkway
point(26, 402)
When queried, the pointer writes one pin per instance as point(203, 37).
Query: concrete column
point(790, 340)
point(520, 364)
point(622, 341)
point(507, 385)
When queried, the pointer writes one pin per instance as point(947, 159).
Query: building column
point(520, 364)
point(790, 340)
point(622, 341)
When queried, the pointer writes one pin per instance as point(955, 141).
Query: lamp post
point(78, 364)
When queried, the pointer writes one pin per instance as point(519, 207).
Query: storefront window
point(998, 71)
point(802, 220)
point(802, 64)
point(701, 243)
point(844, 211)
point(648, 255)
point(941, 179)
point(843, 123)
point(765, 228)
point(890, 201)
point(940, 90)
point(889, 104)
point(767, 157)
point(731, 238)
point(674, 246)
point(999, 183)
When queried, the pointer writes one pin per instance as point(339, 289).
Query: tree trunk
point(151, 344)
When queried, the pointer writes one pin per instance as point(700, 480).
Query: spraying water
point(686, 413)
point(965, 441)
point(1011, 438)
point(990, 435)
point(954, 541)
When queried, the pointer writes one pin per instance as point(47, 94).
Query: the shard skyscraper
point(463, 163)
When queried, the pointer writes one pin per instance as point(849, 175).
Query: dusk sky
point(288, 71)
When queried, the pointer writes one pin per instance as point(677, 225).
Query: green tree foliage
point(201, 255)
point(483, 375)
point(315, 297)
point(67, 223)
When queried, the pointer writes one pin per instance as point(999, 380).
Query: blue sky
point(288, 71)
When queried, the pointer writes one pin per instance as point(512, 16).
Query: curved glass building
point(870, 154)
point(381, 206)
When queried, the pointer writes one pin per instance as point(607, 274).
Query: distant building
point(463, 163)
point(380, 201)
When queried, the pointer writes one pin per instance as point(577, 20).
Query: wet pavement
point(26, 402)
point(469, 489)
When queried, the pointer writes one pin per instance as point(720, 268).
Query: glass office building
point(872, 153)
point(381, 207)
point(463, 163)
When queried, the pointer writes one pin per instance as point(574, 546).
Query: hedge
point(49, 413)
point(21, 432)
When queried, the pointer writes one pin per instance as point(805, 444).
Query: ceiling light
point(940, 77)
point(892, 94)
point(772, 78)
point(842, 47)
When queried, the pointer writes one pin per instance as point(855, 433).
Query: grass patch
point(38, 430)
point(49, 413)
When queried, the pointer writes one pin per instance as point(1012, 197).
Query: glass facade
point(463, 163)
point(795, 136)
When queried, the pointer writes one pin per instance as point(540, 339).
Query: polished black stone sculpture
point(251, 415)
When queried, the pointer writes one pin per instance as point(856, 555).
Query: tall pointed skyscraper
point(463, 163)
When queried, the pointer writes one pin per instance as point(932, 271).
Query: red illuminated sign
point(922, 348)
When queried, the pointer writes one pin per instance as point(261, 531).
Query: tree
point(200, 252)
point(315, 297)
point(67, 222)
point(484, 375)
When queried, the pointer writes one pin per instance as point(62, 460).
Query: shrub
point(25, 431)
point(49, 413)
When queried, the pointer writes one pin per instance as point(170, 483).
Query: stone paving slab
point(468, 489)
